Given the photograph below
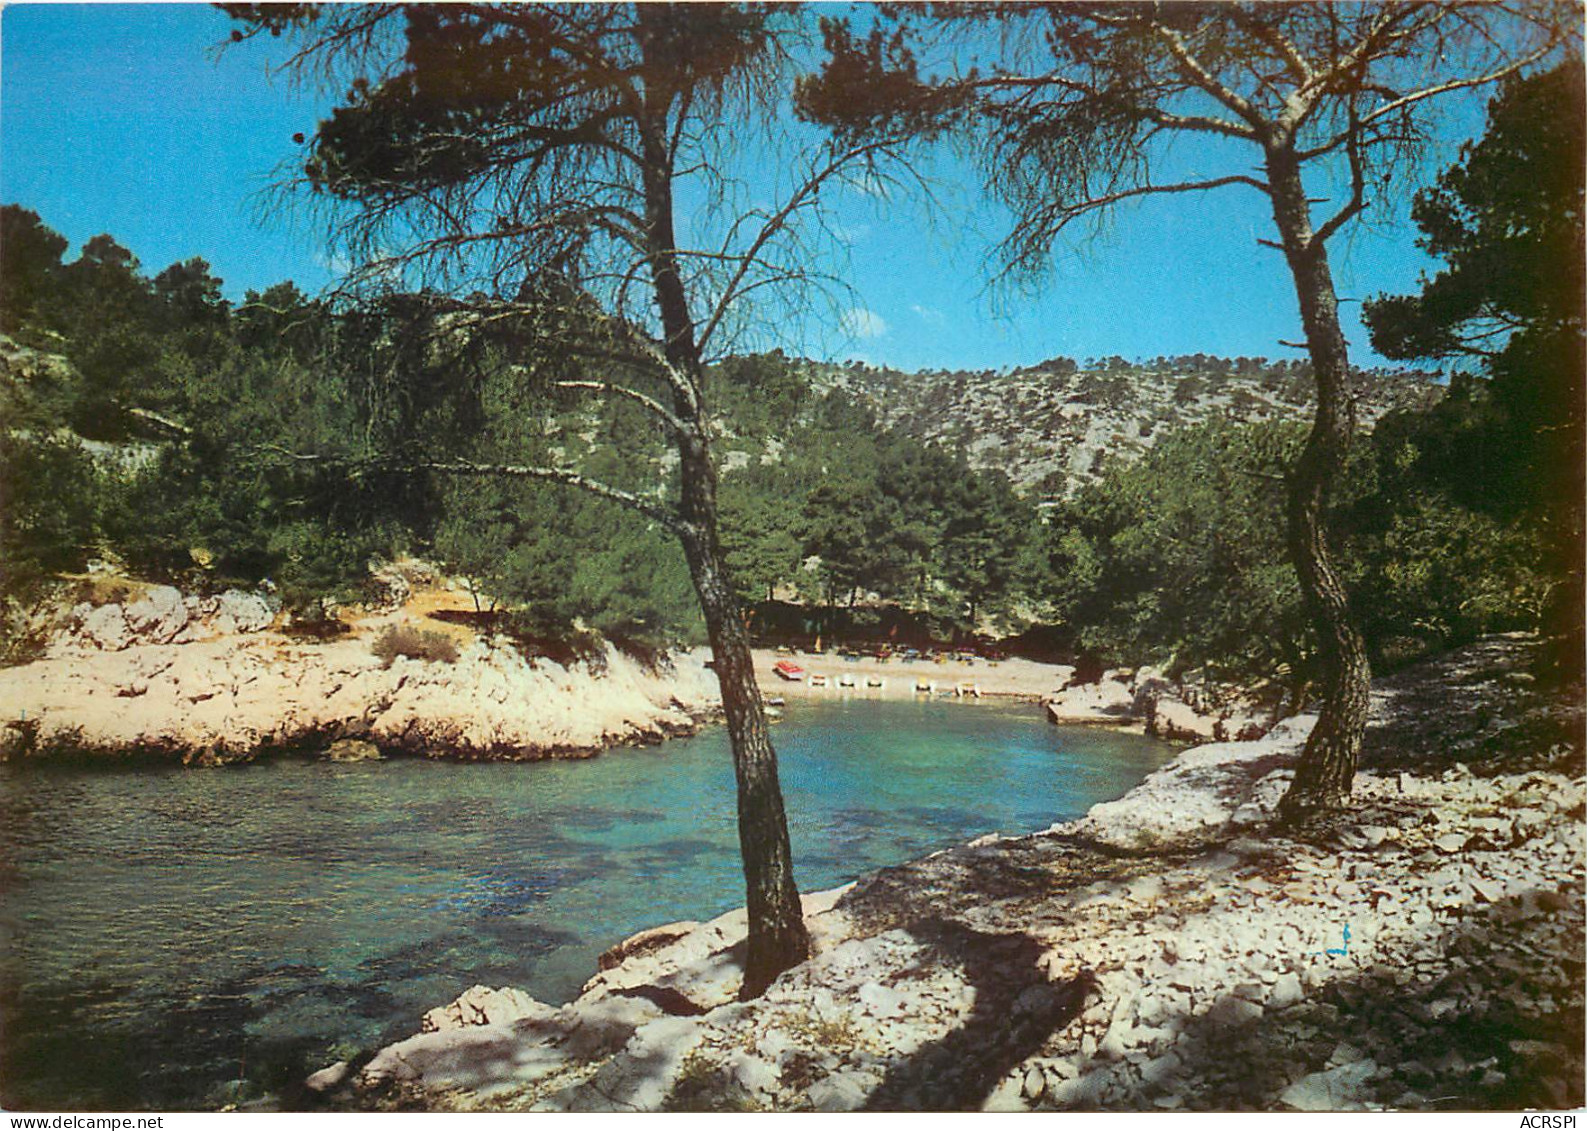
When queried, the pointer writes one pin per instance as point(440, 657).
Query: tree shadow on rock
point(1432, 1044)
point(1016, 875)
point(1016, 1009)
point(1482, 705)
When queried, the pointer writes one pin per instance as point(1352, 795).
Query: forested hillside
point(1126, 511)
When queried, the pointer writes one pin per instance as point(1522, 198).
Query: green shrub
point(50, 498)
point(415, 643)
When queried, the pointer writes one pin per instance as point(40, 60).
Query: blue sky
point(125, 119)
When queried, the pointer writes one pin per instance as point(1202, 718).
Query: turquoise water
point(180, 938)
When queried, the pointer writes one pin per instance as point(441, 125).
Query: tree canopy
point(1070, 109)
point(1174, 560)
point(523, 163)
point(1509, 306)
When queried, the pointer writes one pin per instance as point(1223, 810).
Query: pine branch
point(649, 404)
point(564, 475)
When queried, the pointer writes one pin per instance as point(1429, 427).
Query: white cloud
point(862, 323)
point(930, 315)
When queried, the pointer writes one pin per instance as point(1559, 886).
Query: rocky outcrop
point(1109, 700)
point(482, 1005)
point(205, 680)
point(1163, 707)
point(1418, 952)
point(699, 967)
point(1201, 794)
point(242, 612)
point(161, 616)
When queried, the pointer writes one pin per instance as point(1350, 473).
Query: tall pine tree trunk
point(777, 936)
point(1327, 765)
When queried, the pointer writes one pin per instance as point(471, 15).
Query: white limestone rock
point(106, 628)
point(701, 963)
point(1107, 701)
point(481, 1005)
point(882, 1001)
point(1196, 795)
point(643, 1075)
point(159, 616)
point(1285, 992)
point(753, 1074)
point(328, 1078)
point(236, 611)
point(844, 1091)
point(1334, 1089)
point(1172, 718)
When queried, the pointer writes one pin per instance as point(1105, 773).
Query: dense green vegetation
point(1508, 306)
point(1174, 559)
point(152, 422)
point(194, 477)
point(194, 471)
point(1177, 559)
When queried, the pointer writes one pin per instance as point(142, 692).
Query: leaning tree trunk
point(1327, 765)
point(777, 936)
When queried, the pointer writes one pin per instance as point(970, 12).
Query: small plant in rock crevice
point(414, 643)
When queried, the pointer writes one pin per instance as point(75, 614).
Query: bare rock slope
point(1050, 426)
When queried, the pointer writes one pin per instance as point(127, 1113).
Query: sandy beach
point(999, 679)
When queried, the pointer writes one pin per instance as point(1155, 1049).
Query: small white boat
point(875, 681)
point(845, 680)
point(925, 685)
point(968, 691)
point(818, 681)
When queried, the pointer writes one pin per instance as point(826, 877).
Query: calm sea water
point(183, 938)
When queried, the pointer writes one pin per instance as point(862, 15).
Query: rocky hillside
point(1051, 426)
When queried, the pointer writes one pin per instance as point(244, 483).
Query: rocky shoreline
point(1170, 950)
point(1168, 709)
point(213, 682)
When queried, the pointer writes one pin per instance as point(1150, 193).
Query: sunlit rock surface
point(208, 681)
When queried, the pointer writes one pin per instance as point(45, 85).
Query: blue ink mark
point(1339, 950)
point(1346, 947)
